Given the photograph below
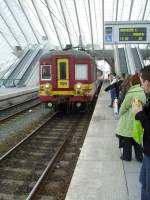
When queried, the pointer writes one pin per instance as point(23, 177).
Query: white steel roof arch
point(62, 22)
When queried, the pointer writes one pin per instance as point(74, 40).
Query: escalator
point(12, 75)
point(7, 72)
point(122, 60)
point(26, 75)
point(137, 59)
point(20, 74)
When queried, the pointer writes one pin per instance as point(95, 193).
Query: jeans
point(113, 94)
point(145, 178)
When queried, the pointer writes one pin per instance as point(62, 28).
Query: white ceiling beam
point(116, 13)
point(103, 21)
point(65, 20)
point(91, 29)
point(2, 14)
point(37, 9)
point(145, 6)
point(130, 11)
point(51, 16)
point(6, 39)
point(12, 11)
point(77, 16)
point(24, 10)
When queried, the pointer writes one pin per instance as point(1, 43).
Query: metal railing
point(13, 82)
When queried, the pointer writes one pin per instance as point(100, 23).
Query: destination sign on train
point(132, 34)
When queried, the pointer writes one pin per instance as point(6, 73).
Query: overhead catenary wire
point(39, 17)
point(61, 5)
point(59, 40)
point(56, 4)
point(71, 20)
point(61, 23)
point(139, 14)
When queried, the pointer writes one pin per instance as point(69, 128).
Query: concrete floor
point(100, 174)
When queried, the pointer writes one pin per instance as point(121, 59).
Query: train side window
point(46, 72)
point(81, 72)
point(95, 72)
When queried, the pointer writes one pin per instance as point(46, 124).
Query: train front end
point(69, 78)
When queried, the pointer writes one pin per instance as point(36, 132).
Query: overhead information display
point(127, 32)
point(132, 34)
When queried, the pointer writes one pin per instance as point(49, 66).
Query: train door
point(62, 73)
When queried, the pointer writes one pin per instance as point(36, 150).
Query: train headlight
point(78, 85)
point(47, 85)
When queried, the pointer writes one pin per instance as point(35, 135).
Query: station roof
point(24, 23)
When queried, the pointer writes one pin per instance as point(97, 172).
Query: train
point(68, 78)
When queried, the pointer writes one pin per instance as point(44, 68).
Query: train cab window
point(63, 73)
point(46, 72)
point(81, 72)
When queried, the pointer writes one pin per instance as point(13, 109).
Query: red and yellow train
point(68, 77)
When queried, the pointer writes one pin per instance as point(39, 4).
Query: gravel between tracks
point(17, 128)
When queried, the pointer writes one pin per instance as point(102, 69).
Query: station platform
point(100, 174)
point(11, 92)
point(12, 96)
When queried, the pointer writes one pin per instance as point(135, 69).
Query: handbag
point(137, 131)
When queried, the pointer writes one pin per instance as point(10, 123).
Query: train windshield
point(81, 72)
point(46, 72)
point(63, 71)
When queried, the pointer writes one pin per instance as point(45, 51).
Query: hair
point(125, 85)
point(114, 74)
point(134, 79)
point(123, 75)
point(145, 73)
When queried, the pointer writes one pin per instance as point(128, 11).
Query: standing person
point(144, 116)
point(112, 88)
point(126, 116)
point(125, 85)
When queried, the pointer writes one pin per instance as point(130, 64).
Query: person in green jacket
point(126, 116)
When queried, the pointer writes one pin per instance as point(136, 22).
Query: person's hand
point(136, 106)
point(136, 109)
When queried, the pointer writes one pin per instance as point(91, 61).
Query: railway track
point(54, 182)
point(14, 110)
point(23, 166)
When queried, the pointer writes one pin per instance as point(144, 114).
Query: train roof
point(74, 53)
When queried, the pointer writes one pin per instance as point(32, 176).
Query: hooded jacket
point(126, 116)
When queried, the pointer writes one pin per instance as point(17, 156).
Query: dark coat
point(144, 117)
point(115, 87)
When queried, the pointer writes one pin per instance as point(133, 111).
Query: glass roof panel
point(64, 16)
